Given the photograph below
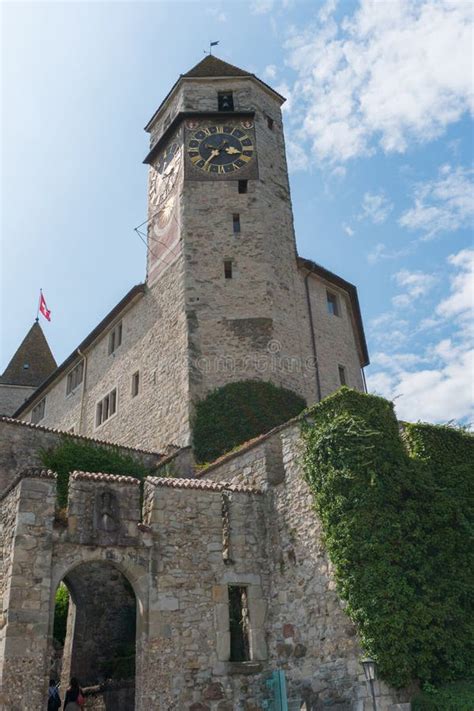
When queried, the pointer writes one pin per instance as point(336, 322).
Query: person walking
point(54, 700)
point(74, 700)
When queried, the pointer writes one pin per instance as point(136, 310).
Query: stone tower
point(219, 197)
point(226, 296)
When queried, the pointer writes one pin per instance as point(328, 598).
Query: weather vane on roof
point(211, 45)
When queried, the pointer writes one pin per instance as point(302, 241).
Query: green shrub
point(397, 518)
point(71, 456)
point(238, 412)
point(61, 607)
point(458, 696)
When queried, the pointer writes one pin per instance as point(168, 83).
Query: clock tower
point(220, 232)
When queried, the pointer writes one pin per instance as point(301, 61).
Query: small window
point(333, 306)
point(135, 384)
point(225, 101)
point(239, 624)
point(342, 375)
point(270, 123)
point(115, 338)
point(38, 411)
point(228, 269)
point(236, 223)
point(74, 377)
point(243, 184)
point(106, 407)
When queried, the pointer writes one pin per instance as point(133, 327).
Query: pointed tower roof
point(212, 66)
point(33, 361)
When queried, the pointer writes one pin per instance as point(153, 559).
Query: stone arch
point(107, 618)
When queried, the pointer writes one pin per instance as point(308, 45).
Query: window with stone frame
point(106, 407)
point(228, 268)
point(74, 378)
point(239, 623)
point(243, 186)
point(115, 338)
point(135, 383)
point(38, 411)
point(332, 304)
point(342, 375)
point(225, 101)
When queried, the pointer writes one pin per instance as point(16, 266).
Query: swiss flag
point(43, 308)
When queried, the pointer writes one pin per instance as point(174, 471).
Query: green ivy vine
point(397, 514)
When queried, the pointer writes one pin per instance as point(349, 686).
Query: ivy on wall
point(238, 412)
point(397, 515)
point(72, 456)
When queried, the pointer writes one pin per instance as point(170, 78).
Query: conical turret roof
point(33, 361)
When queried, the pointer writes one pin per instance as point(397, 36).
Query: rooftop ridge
point(202, 484)
point(102, 477)
point(74, 435)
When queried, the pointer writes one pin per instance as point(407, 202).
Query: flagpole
point(38, 309)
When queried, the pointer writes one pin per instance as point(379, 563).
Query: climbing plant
point(238, 412)
point(397, 515)
point(71, 455)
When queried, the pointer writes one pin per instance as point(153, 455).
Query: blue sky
point(379, 138)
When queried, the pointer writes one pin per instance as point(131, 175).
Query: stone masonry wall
point(253, 325)
point(154, 343)
point(26, 591)
point(335, 338)
point(21, 445)
point(309, 635)
point(189, 641)
point(12, 396)
point(249, 522)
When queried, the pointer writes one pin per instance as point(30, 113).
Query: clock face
point(220, 149)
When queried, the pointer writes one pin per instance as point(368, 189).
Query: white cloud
point(327, 10)
point(296, 156)
point(381, 252)
point(270, 71)
point(261, 7)
point(460, 303)
point(437, 394)
point(442, 205)
point(416, 284)
point(390, 74)
point(338, 171)
point(348, 229)
point(436, 385)
point(375, 207)
point(217, 13)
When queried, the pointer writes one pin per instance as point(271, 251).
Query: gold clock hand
point(214, 153)
point(232, 151)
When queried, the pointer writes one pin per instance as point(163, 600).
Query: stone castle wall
point(12, 396)
point(335, 337)
point(247, 521)
point(21, 445)
point(154, 343)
